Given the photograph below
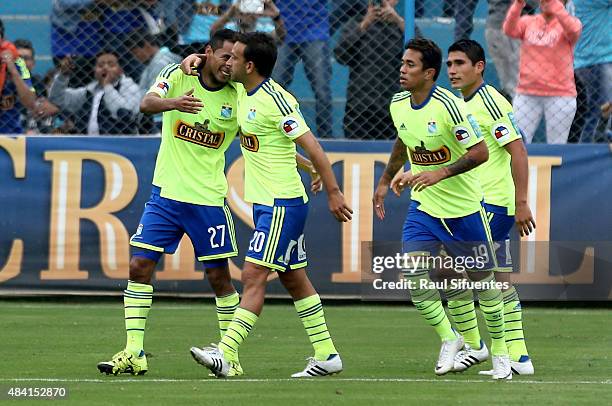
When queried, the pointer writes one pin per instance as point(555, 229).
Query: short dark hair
point(220, 36)
point(138, 39)
point(471, 48)
point(431, 54)
point(261, 50)
point(109, 52)
point(24, 44)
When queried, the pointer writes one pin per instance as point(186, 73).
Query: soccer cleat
point(235, 370)
point(448, 351)
point(314, 368)
point(124, 362)
point(501, 368)
point(523, 366)
point(212, 358)
point(469, 357)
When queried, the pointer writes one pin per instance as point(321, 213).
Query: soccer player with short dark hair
point(188, 196)
point(270, 126)
point(504, 179)
point(443, 143)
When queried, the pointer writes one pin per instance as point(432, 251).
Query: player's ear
point(250, 67)
point(480, 66)
point(208, 50)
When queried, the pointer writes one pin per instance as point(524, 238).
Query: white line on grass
point(327, 379)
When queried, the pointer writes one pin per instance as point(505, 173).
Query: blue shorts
point(501, 224)
point(164, 221)
point(278, 239)
point(465, 237)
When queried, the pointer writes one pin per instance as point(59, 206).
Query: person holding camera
point(371, 46)
point(244, 17)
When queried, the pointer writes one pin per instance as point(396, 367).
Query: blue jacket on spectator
point(306, 21)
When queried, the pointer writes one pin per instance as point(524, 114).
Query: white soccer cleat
point(448, 351)
point(314, 368)
point(469, 357)
point(212, 358)
point(501, 368)
point(523, 366)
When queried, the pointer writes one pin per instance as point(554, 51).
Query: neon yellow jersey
point(191, 160)
point(270, 120)
point(436, 134)
point(495, 117)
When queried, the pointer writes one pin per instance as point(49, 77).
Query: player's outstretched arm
point(398, 158)
point(303, 163)
point(152, 103)
point(337, 205)
point(520, 174)
point(190, 64)
point(476, 155)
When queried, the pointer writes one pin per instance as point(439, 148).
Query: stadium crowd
point(553, 59)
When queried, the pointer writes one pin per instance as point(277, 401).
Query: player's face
point(107, 65)
point(238, 62)
point(462, 73)
point(412, 75)
point(219, 62)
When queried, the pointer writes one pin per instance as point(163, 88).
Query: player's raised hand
point(338, 206)
point(187, 103)
point(425, 179)
point(524, 219)
point(378, 200)
point(190, 64)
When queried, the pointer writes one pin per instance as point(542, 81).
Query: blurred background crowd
point(82, 66)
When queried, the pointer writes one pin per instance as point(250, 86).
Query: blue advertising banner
point(70, 204)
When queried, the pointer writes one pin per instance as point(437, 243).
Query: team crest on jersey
point(462, 134)
point(422, 156)
point(431, 127)
point(164, 86)
point(252, 114)
point(226, 111)
point(500, 132)
point(290, 126)
point(249, 142)
point(474, 125)
point(199, 134)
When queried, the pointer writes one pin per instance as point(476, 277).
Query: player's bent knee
point(220, 280)
point(254, 275)
point(141, 269)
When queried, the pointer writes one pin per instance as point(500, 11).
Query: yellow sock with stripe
point(226, 307)
point(137, 299)
point(513, 320)
point(462, 313)
point(428, 303)
point(311, 313)
point(492, 307)
point(237, 331)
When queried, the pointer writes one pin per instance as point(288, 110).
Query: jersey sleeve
point(504, 129)
point(166, 81)
point(461, 124)
point(24, 73)
point(288, 117)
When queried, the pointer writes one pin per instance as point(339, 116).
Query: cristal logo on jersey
point(420, 155)
point(226, 111)
point(199, 134)
point(251, 115)
point(164, 86)
point(290, 126)
point(249, 142)
point(462, 134)
point(431, 127)
point(500, 132)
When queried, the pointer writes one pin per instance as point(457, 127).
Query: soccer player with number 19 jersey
point(270, 126)
point(504, 179)
point(444, 145)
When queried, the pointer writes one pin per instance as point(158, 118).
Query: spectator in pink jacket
point(546, 73)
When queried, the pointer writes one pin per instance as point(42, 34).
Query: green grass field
point(388, 354)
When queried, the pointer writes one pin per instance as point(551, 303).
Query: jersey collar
point(252, 92)
point(470, 97)
point(420, 106)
